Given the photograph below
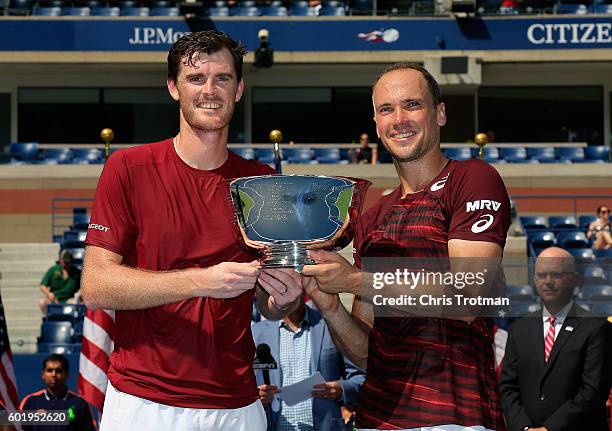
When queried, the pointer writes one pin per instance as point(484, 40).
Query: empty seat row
point(28, 152)
point(533, 154)
point(296, 155)
point(583, 9)
point(534, 223)
point(588, 292)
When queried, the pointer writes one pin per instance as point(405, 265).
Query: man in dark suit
point(556, 372)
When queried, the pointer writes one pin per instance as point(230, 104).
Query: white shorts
point(125, 412)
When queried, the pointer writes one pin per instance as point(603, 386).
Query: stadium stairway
point(21, 269)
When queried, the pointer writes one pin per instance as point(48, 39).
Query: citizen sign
point(574, 33)
point(155, 36)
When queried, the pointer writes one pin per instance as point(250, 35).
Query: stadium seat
point(542, 239)
point(57, 348)
point(274, 11)
point(80, 219)
point(303, 11)
point(329, 155)
point(165, 11)
point(47, 11)
point(519, 309)
point(333, 3)
point(265, 155)
point(491, 153)
point(24, 151)
point(575, 239)
point(247, 3)
point(534, 222)
point(299, 155)
point(603, 8)
point(106, 11)
point(91, 155)
point(298, 3)
point(61, 155)
point(594, 275)
point(55, 332)
point(585, 220)
point(76, 11)
point(603, 253)
point(542, 154)
point(245, 11)
point(562, 222)
point(247, 153)
point(77, 253)
point(332, 11)
point(601, 292)
point(575, 9)
point(597, 152)
point(514, 154)
point(603, 309)
point(361, 6)
point(520, 293)
point(458, 153)
point(219, 11)
point(582, 253)
point(19, 7)
point(162, 3)
point(135, 11)
point(62, 313)
point(570, 153)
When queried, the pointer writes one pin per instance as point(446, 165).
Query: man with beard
point(425, 370)
point(163, 252)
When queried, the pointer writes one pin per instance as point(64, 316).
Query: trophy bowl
point(283, 216)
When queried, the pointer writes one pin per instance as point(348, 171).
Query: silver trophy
point(283, 216)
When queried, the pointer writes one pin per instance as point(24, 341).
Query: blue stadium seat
point(514, 154)
point(135, 11)
point(603, 253)
point(542, 239)
point(91, 155)
point(333, 3)
point(602, 309)
point(80, 219)
point(62, 313)
point(299, 3)
point(582, 253)
point(596, 152)
point(162, 3)
point(219, 11)
point(603, 8)
point(575, 239)
point(562, 222)
point(24, 151)
point(77, 253)
point(570, 153)
point(520, 293)
point(274, 11)
point(303, 11)
point(76, 11)
point(61, 155)
point(487, 153)
point(519, 309)
point(574, 9)
point(20, 7)
point(361, 5)
point(165, 11)
point(247, 3)
point(55, 332)
point(329, 155)
point(247, 153)
point(58, 348)
point(594, 275)
point(585, 220)
point(596, 292)
point(106, 11)
point(265, 155)
point(458, 153)
point(332, 11)
point(533, 222)
point(48, 11)
point(299, 155)
point(245, 11)
point(542, 154)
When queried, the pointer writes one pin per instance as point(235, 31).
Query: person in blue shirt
point(56, 397)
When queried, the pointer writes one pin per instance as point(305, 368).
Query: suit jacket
point(324, 358)
point(569, 391)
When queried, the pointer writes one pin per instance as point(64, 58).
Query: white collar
point(560, 316)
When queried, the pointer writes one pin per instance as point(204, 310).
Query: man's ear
point(441, 114)
point(171, 84)
point(239, 91)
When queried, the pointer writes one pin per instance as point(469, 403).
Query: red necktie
point(550, 338)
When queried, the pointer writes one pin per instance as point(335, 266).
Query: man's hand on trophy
point(224, 280)
point(283, 285)
point(334, 273)
point(325, 302)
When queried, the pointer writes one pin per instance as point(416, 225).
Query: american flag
point(8, 382)
point(97, 344)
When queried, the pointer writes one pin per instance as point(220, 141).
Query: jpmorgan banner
point(305, 34)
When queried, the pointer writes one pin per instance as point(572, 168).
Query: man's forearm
point(348, 335)
point(117, 287)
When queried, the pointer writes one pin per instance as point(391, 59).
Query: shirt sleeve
point(479, 204)
point(46, 280)
point(112, 222)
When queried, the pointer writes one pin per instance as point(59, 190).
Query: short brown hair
point(209, 42)
point(432, 84)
